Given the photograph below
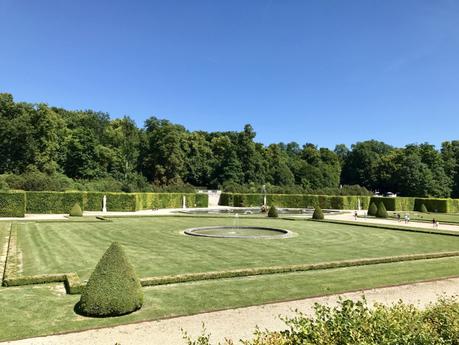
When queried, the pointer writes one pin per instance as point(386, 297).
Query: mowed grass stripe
point(157, 247)
point(45, 309)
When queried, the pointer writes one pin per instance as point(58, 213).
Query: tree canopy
point(54, 148)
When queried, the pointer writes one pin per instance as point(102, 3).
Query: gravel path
point(349, 216)
point(239, 323)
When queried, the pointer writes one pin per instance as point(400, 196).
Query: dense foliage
point(113, 288)
point(354, 323)
point(48, 148)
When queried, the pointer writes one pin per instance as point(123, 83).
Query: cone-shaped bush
point(423, 208)
point(381, 212)
point(273, 212)
point(76, 211)
point(318, 214)
point(113, 288)
point(372, 209)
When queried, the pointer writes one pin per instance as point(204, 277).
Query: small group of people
point(406, 218)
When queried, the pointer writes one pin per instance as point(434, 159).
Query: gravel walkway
point(413, 224)
point(239, 323)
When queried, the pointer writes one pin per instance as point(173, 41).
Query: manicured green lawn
point(157, 246)
point(45, 309)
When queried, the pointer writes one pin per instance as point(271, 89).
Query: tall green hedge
point(435, 205)
point(16, 204)
point(148, 201)
point(52, 202)
point(202, 200)
point(12, 204)
point(294, 200)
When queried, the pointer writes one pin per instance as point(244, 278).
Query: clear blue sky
point(325, 72)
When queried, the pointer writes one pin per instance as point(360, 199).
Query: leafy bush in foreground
point(318, 214)
point(354, 323)
point(273, 212)
point(113, 288)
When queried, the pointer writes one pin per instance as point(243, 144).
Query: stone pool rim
point(283, 233)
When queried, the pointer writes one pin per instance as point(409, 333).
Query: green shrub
point(373, 209)
point(381, 212)
point(76, 211)
point(273, 212)
point(424, 209)
point(12, 204)
point(318, 214)
point(354, 322)
point(113, 288)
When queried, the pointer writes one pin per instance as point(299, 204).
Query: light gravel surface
point(239, 323)
point(349, 216)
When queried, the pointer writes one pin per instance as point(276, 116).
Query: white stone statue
point(104, 204)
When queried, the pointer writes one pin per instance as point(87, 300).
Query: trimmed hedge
point(318, 214)
point(381, 212)
point(395, 204)
point(273, 212)
point(373, 209)
point(53, 202)
point(437, 205)
point(76, 211)
point(113, 288)
point(350, 202)
point(12, 204)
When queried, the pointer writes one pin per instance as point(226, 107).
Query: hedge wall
point(437, 205)
point(294, 200)
point(396, 204)
point(53, 202)
point(12, 204)
point(16, 204)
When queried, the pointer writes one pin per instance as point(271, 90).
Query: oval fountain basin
point(239, 232)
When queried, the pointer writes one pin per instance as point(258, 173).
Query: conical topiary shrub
point(423, 208)
point(76, 211)
point(273, 212)
point(372, 209)
point(381, 212)
point(318, 214)
point(113, 288)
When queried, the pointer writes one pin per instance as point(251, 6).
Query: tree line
point(45, 147)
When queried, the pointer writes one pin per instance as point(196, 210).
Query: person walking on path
point(355, 215)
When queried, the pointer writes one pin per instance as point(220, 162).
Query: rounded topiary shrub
point(318, 214)
point(273, 212)
point(76, 211)
point(381, 212)
point(113, 288)
point(372, 209)
point(423, 208)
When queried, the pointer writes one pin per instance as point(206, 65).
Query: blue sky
point(325, 72)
